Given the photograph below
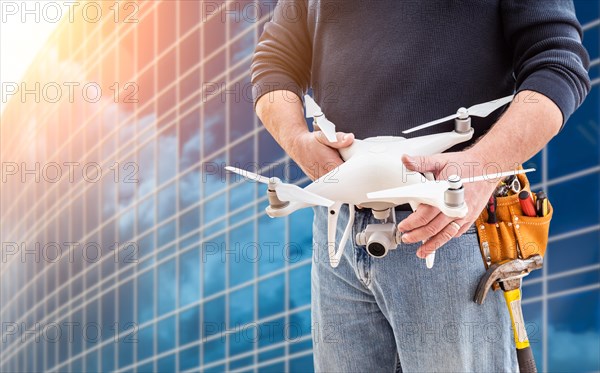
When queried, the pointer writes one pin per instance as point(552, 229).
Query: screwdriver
point(491, 209)
point(541, 204)
point(527, 203)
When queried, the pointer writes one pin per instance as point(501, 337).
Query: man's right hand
point(316, 155)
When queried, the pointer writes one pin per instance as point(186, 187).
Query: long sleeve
point(282, 58)
point(548, 57)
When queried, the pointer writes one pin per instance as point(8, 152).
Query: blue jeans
point(394, 314)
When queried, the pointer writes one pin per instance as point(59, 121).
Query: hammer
point(509, 274)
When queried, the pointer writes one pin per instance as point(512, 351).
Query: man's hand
point(528, 124)
point(282, 114)
point(316, 155)
point(427, 222)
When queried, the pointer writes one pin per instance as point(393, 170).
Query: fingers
point(463, 227)
point(429, 230)
point(343, 139)
point(437, 241)
point(428, 224)
point(421, 217)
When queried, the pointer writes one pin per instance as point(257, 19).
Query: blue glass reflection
point(241, 254)
point(241, 306)
point(108, 357)
point(145, 215)
point(271, 296)
point(190, 189)
point(167, 151)
point(166, 287)
point(145, 297)
point(300, 286)
point(214, 350)
point(582, 129)
point(167, 364)
point(213, 215)
point(213, 126)
point(166, 332)
point(570, 212)
point(189, 221)
point(189, 277)
point(214, 265)
point(299, 325)
point(166, 234)
point(302, 364)
point(271, 332)
point(300, 242)
point(189, 326)
point(145, 343)
point(166, 202)
point(569, 336)
point(189, 140)
point(271, 239)
point(189, 358)
point(146, 172)
point(560, 253)
point(213, 176)
point(213, 321)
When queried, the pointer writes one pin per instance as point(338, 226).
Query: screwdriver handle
point(491, 209)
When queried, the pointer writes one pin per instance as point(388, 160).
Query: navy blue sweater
point(382, 66)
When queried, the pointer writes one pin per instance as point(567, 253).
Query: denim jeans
point(393, 314)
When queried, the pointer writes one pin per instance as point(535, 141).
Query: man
point(381, 67)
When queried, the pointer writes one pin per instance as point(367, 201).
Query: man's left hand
point(427, 223)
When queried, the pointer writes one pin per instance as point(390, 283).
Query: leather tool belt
point(514, 235)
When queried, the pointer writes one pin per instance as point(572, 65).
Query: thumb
point(432, 163)
point(343, 139)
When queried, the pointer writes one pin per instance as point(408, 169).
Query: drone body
point(375, 164)
point(373, 176)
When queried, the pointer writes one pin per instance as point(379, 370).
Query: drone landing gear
point(334, 212)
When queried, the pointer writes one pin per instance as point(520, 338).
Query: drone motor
point(462, 124)
point(454, 196)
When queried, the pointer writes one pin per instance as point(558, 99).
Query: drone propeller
point(251, 175)
point(325, 125)
point(418, 190)
point(479, 110)
point(285, 191)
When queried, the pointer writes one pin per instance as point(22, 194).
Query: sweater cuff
point(274, 82)
point(553, 86)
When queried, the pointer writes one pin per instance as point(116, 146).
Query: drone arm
point(436, 143)
point(281, 212)
point(429, 176)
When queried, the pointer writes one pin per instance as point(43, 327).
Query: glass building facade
point(126, 247)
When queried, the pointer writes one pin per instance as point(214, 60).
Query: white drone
point(373, 176)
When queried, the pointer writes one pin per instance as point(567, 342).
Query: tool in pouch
point(513, 243)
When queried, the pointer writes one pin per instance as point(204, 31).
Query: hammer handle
point(524, 354)
point(526, 360)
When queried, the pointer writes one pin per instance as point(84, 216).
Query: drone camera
point(379, 239)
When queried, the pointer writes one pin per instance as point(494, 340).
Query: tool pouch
point(515, 235)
